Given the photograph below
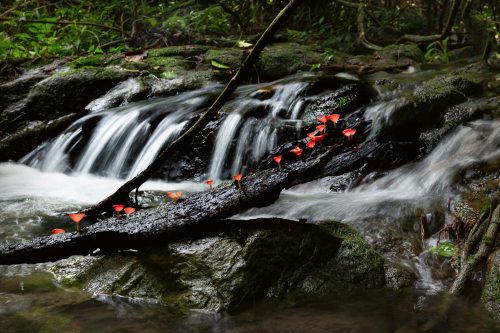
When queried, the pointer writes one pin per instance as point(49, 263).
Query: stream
point(94, 155)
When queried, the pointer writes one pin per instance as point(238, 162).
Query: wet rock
point(462, 53)
point(396, 240)
point(491, 289)
point(192, 162)
point(231, 57)
point(235, 268)
point(52, 99)
point(458, 115)
point(178, 51)
point(14, 91)
point(276, 60)
point(425, 108)
point(354, 95)
point(400, 54)
point(30, 136)
point(71, 91)
point(144, 87)
point(282, 59)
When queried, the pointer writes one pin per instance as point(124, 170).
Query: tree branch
point(122, 193)
point(444, 33)
point(64, 22)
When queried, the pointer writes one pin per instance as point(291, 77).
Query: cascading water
point(415, 185)
point(120, 142)
point(254, 138)
point(126, 139)
point(401, 193)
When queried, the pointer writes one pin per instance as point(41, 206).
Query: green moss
point(182, 51)
point(359, 261)
point(281, 59)
point(229, 56)
point(401, 52)
point(88, 61)
point(167, 62)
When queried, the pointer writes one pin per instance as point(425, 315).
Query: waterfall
point(120, 142)
point(249, 138)
point(400, 191)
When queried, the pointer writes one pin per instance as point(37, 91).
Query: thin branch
point(444, 33)
point(361, 7)
point(64, 22)
point(123, 192)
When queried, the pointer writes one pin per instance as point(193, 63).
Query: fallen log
point(196, 213)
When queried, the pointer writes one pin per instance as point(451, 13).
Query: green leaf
point(315, 67)
point(446, 249)
point(168, 75)
point(243, 44)
point(219, 65)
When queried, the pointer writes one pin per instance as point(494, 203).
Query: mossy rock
point(282, 59)
point(32, 135)
point(230, 57)
point(352, 93)
point(234, 268)
point(425, 108)
point(184, 51)
point(89, 61)
point(401, 53)
point(491, 289)
point(69, 92)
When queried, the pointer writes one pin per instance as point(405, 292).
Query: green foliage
point(328, 54)
point(34, 28)
point(446, 249)
point(488, 18)
point(219, 65)
point(437, 51)
point(342, 102)
point(297, 36)
point(315, 67)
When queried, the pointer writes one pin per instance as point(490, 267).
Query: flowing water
point(91, 158)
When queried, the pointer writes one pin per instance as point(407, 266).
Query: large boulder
point(424, 109)
point(48, 104)
point(353, 94)
point(234, 268)
point(276, 60)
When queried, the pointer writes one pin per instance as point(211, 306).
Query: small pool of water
point(34, 303)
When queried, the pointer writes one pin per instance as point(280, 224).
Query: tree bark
point(122, 193)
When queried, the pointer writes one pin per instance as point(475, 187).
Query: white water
point(30, 198)
point(400, 191)
point(125, 140)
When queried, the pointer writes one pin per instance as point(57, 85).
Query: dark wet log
point(195, 214)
